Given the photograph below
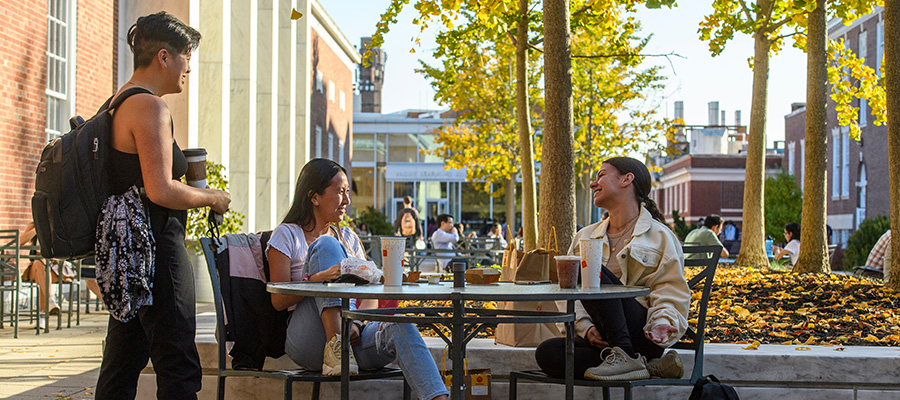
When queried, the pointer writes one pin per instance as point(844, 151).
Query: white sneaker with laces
point(331, 364)
point(617, 366)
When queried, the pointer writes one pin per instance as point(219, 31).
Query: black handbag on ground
point(709, 388)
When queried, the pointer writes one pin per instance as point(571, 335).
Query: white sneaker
point(617, 366)
point(331, 364)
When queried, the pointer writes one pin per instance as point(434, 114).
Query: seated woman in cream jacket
point(615, 337)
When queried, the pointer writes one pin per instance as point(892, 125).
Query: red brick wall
point(323, 112)
point(22, 86)
point(96, 46)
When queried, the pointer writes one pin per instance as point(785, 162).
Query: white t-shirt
point(793, 249)
point(289, 240)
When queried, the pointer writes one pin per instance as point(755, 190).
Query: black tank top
point(125, 169)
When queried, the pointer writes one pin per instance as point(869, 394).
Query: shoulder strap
point(113, 104)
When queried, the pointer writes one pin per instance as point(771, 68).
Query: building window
point(363, 146)
point(331, 91)
point(791, 149)
point(879, 47)
point(845, 162)
point(60, 71)
point(343, 101)
point(330, 155)
point(341, 151)
point(862, 45)
point(320, 82)
point(835, 163)
point(318, 141)
point(863, 112)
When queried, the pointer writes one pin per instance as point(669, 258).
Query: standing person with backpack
point(144, 154)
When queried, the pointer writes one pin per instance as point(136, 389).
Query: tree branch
point(626, 55)
point(746, 10)
point(785, 36)
point(778, 24)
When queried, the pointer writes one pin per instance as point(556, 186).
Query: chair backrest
point(211, 247)
point(9, 255)
point(703, 281)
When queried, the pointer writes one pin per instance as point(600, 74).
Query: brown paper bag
point(526, 335)
point(476, 381)
point(511, 258)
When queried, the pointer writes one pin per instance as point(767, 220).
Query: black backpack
point(709, 388)
point(72, 183)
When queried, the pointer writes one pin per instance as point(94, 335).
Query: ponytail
point(651, 207)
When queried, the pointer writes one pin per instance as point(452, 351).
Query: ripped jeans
point(380, 342)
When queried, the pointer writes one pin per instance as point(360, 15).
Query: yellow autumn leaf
point(752, 346)
point(802, 348)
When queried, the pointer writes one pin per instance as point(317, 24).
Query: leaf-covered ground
point(773, 307)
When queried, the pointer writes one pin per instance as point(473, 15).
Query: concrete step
point(786, 372)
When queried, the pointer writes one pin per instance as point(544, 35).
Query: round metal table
point(464, 323)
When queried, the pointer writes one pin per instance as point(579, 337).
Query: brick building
point(851, 198)
point(704, 184)
point(708, 178)
point(42, 85)
point(265, 93)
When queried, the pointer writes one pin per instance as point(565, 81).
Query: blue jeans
point(380, 342)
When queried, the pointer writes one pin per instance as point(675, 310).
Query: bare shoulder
point(143, 106)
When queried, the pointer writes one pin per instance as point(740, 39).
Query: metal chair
point(287, 377)
point(11, 282)
point(693, 338)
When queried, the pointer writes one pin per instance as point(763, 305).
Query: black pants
point(163, 332)
point(620, 323)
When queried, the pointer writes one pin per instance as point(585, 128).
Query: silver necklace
point(618, 242)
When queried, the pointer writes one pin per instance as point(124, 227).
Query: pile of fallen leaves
point(771, 307)
point(750, 305)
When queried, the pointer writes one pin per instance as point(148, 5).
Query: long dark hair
point(314, 178)
point(794, 229)
point(161, 30)
point(641, 183)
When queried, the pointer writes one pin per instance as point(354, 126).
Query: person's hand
point(354, 334)
point(593, 336)
point(332, 272)
point(660, 333)
point(221, 201)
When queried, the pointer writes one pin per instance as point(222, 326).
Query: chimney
point(722, 121)
point(713, 113)
point(679, 110)
point(737, 118)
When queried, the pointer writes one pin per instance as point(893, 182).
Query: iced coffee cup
point(591, 261)
point(392, 260)
point(567, 268)
point(196, 171)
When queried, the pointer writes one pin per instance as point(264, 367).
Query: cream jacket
point(654, 259)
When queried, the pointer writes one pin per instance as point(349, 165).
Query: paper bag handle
point(553, 236)
point(510, 243)
point(444, 360)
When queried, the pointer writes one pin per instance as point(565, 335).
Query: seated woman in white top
point(308, 245)
point(792, 248)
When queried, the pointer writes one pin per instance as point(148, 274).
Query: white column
point(242, 174)
point(266, 80)
point(285, 93)
point(303, 85)
point(213, 131)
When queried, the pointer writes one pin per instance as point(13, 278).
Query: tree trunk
point(511, 207)
point(813, 245)
point(526, 142)
point(557, 197)
point(753, 243)
point(892, 83)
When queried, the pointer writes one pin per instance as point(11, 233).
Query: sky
point(696, 79)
